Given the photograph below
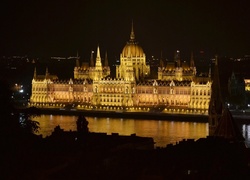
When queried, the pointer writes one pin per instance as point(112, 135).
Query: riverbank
point(133, 115)
point(240, 117)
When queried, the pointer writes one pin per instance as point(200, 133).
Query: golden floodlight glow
point(175, 88)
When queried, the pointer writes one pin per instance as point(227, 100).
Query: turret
point(92, 64)
point(209, 71)
point(106, 63)
point(98, 71)
point(34, 76)
point(192, 60)
point(98, 62)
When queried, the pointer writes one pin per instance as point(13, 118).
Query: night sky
point(61, 28)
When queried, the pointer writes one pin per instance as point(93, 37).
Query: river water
point(163, 132)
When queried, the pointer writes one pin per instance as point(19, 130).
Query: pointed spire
point(216, 60)
point(132, 34)
point(34, 77)
point(178, 58)
point(216, 89)
point(192, 60)
point(98, 62)
point(98, 53)
point(106, 63)
point(92, 59)
point(216, 102)
point(228, 128)
point(46, 73)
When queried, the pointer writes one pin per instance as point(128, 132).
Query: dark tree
point(27, 124)
point(9, 122)
point(82, 124)
point(12, 122)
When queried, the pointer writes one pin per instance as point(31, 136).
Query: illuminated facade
point(176, 88)
point(92, 71)
point(247, 85)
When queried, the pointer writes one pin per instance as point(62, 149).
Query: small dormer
point(155, 83)
point(172, 84)
point(71, 81)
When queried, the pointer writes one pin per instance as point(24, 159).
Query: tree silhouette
point(12, 122)
point(8, 118)
point(82, 124)
point(27, 124)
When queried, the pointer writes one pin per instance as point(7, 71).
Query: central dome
point(132, 48)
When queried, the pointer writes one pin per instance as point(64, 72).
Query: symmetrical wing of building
point(177, 87)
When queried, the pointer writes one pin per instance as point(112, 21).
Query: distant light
point(21, 90)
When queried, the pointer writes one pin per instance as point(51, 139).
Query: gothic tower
point(98, 66)
point(216, 103)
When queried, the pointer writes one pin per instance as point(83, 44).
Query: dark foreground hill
point(70, 155)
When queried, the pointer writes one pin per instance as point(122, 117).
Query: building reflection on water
point(163, 132)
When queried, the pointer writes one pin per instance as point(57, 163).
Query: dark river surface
point(163, 132)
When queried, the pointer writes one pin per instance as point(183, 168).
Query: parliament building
point(176, 89)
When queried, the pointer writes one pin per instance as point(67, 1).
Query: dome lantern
point(132, 49)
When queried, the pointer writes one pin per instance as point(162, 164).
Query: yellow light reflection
point(163, 132)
